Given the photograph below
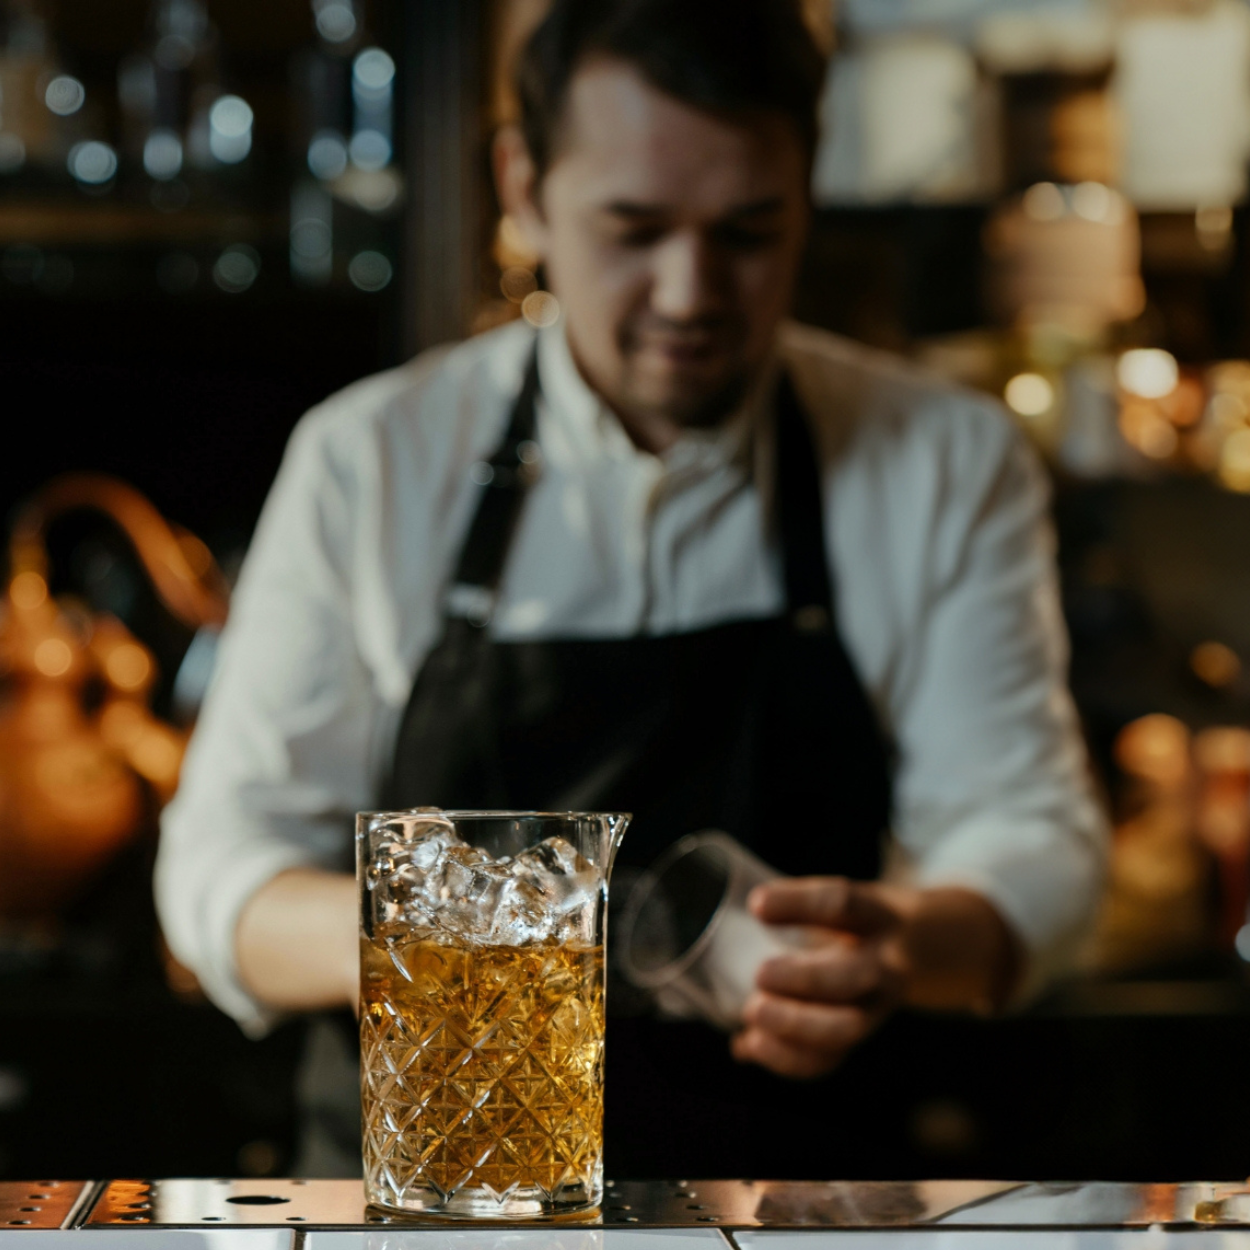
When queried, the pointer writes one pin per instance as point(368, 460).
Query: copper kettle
point(81, 777)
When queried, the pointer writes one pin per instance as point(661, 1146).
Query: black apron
point(757, 727)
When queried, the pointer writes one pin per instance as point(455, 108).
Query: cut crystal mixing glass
point(481, 1014)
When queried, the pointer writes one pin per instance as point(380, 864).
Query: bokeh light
point(1146, 429)
point(128, 666)
point(373, 73)
point(516, 283)
point(1148, 371)
point(230, 129)
point(1029, 394)
point(12, 153)
point(64, 95)
point(53, 657)
point(327, 155)
point(237, 268)
point(370, 150)
point(28, 591)
point(370, 271)
point(1044, 202)
point(1215, 664)
point(1098, 203)
point(92, 163)
point(541, 309)
point(336, 21)
point(162, 155)
point(1234, 466)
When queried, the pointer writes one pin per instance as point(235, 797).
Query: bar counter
point(226, 1214)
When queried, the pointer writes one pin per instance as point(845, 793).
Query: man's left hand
point(810, 1008)
point(873, 947)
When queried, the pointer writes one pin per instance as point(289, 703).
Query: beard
point(689, 405)
point(699, 392)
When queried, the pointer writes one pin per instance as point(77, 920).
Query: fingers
point(781, 1057)
point(799, 1039)
point(832, 1027)
point(833, 902)
point(831, 974)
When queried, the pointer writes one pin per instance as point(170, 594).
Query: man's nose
point(685, 281)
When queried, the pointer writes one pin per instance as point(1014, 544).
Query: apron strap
point(513, 468)
point(801, 517)
point(504, 479)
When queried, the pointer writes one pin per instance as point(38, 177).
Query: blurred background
point(215, 213)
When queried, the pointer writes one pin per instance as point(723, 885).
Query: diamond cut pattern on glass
point(482, 1071)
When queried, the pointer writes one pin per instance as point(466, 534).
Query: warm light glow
point(196, 554)
point(1044, 202)
point(128, 666)
point(516, 283)
point(53, 657)
point(1228, 411)
point(1145, 429)
point(1148, 371)
point(122, 723)
point(1183, 407)
point(1213, 224)
point(541, 309)
point(1154, 747)
point(156, 757)
point(1029, 394)
point(28, 591)
point(511, 247)
point(1235, 461)
point(1215, 664)
point(1095, 202)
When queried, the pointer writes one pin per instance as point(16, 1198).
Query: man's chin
point(695, 398)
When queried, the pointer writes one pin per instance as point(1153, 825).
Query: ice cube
point(565, 879)
point(426, 850)
point(462, 891)
point(522, 914)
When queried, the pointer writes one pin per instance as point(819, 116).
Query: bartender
point(672, 555)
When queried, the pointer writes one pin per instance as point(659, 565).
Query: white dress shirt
point(942, 555)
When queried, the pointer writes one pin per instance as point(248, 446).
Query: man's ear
point(516, 180)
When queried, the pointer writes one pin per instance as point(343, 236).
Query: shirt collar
point(593, 429)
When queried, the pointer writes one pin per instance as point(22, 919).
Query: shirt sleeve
point(281, 756)
point(993, 787)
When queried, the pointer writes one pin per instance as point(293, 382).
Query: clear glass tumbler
point(687, 935)
point(481, 1015)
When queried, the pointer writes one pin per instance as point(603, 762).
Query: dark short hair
point(736, 57)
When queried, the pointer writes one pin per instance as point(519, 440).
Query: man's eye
point(640, 236)
point(741, 239)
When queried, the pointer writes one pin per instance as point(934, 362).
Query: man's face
point(671, 238)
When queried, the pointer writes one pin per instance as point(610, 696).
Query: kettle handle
point(182, 569)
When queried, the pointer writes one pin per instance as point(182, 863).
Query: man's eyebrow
point(632, 210)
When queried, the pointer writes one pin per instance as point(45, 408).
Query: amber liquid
point(482, 1077)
